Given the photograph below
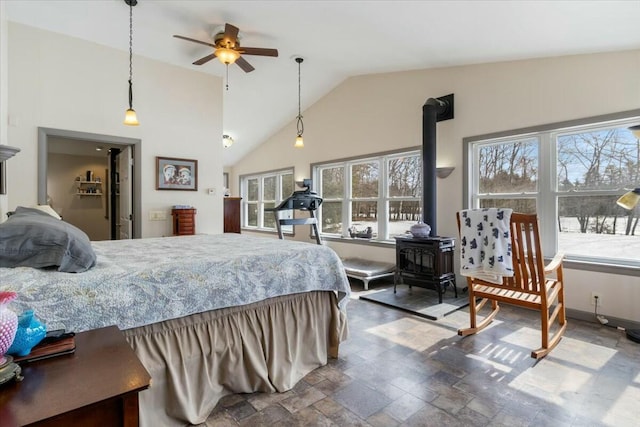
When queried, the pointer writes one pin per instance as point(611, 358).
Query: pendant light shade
point(299, 125)
point(130, 117)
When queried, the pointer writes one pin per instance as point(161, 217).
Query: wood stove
point(426, 262)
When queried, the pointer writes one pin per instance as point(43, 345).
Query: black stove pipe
point(433, 111)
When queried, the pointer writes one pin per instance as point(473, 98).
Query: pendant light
point(299, 125)
point(130, 117)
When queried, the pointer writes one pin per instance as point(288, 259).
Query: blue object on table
point(30, 332)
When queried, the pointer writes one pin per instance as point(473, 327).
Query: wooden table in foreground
point(98, 385)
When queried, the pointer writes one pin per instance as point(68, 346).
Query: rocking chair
point(533, 285)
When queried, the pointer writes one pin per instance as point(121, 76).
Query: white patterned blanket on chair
point(485, 244)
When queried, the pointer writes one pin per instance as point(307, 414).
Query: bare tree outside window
point(364, 195)
point(405, 191)
point(269, 184)
point(509, 168)
point(331, 189)
point(605, 160)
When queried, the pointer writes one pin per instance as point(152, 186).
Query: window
point(377, 194)
point(571, 177)
point(261, 192)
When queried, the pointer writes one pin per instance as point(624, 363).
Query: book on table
point(49, 348)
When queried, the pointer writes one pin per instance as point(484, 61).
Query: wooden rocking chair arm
point(555, 263)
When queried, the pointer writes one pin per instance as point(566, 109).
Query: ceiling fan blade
point(205, 59)
point(242, 63)
point(258, 51)
point(194, 40)
point(230, 35)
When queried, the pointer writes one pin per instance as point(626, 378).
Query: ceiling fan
point(228, 50)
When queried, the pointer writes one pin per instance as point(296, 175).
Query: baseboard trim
point(613, 321)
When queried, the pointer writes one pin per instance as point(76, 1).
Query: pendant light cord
point(130, 54)
point(299, 124)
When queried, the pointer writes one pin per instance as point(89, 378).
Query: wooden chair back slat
point(529, 263)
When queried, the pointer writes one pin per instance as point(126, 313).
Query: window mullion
point(261, 203)
point(346, 202)
point(474, 173)
point(547, 197)
point(383, 199)
point(243, 202)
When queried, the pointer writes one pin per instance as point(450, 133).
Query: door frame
point(136, 146)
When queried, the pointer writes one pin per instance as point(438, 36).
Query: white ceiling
point(338, 39)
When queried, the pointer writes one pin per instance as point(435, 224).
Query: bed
point(207, 315)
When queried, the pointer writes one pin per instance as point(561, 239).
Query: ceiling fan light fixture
point(227, 141)
point(226, 56)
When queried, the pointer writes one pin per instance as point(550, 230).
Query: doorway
point(83, 141)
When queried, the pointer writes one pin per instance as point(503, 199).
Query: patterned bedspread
point(143, 281)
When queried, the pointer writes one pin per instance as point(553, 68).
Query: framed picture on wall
point(176, 174)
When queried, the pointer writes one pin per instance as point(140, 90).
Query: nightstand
point(96, 385)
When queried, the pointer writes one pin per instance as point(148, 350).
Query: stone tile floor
point(397, 369)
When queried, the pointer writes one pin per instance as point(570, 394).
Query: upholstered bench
point(366, 270)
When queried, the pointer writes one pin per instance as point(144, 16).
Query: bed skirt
point(263, 347)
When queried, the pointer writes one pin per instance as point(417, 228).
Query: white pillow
point(48, 209)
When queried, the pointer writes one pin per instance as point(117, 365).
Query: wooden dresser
point(232, 214)
point(184, 221)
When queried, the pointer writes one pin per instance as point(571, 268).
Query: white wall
point(375, 113)
point(3, 95)
point(61, 82)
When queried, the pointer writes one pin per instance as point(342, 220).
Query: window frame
point(260, 202)
point(548, 194)
point(383, 199)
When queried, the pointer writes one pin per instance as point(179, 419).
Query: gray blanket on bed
point(143, 281)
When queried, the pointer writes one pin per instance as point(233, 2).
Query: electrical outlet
point(596, 296)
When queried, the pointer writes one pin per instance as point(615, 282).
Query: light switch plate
point(157, 215)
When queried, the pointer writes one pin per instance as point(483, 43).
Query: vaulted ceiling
point(337, 39)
